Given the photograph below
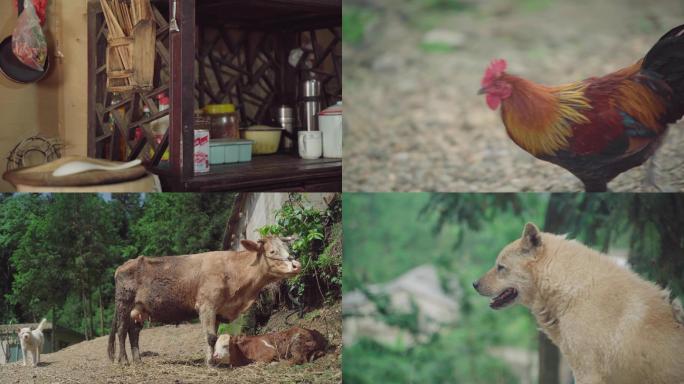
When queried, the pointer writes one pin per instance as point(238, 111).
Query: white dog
point(32, 341)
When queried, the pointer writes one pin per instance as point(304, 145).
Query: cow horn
point(261, 248)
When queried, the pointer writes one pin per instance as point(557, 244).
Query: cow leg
point(134, 336)
point(122, 332)
point(210, 325)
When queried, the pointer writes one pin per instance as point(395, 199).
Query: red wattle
point(493, 102)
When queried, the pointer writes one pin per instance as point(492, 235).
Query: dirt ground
point(414, 121)
point(173, 354)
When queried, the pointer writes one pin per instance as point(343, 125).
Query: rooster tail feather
point(674, 32)
point(666, 60)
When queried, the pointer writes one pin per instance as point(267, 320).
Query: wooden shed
point(10, 349)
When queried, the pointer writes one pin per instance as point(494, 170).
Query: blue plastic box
point(225, 151)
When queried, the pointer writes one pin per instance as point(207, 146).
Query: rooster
point(599, 127)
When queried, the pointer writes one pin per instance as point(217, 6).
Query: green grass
point(535, 5)
point(425, 15)
point(355, 20)
point(234, 328)
point(437, 48)
point(312, 315)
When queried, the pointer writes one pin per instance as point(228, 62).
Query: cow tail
point(111, 348)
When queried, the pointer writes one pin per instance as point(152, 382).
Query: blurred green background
point(387, 235)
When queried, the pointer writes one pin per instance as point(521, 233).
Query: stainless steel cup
point(311, 105)
point(286, 120)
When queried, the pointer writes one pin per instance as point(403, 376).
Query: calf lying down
point(295, 346)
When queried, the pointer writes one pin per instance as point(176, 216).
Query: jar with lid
point(224, 121)
point(200, 121)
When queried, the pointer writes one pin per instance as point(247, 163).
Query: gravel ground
point(173, 354)
point(415, 123)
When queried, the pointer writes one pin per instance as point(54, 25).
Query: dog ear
point(531, 237)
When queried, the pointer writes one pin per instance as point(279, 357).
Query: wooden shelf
point(272, 173)
point(225, 51)
point(271, 14)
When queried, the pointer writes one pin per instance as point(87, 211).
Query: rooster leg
point(650, 175)
point(595, 186)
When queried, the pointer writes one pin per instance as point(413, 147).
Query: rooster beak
point(482, 91)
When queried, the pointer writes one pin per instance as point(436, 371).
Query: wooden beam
point(92, 76)
point(182, 47)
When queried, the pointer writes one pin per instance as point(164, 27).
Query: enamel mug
point(330, 125)
point(310, 144)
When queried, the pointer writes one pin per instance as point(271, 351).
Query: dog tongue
point(502, 299)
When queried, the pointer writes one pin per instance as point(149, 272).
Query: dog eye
point(500, 267)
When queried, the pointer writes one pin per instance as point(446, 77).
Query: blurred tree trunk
point(549, 361)
point(54, 329)
point(85, 314)
point(99, 295)
point(231, 234)
point(549, 355)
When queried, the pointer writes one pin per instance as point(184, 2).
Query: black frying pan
point(14, 69)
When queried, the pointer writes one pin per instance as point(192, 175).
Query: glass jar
point(200, 121)
point(224, 121)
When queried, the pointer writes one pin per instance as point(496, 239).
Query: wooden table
point(267, 173)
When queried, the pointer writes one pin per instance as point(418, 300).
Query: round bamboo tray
point(40, 179)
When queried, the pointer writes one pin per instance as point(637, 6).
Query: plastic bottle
point(161, 125)
point(147, 127)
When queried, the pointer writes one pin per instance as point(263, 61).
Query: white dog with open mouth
point(32, 341)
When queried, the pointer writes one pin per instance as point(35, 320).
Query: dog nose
point(476, 284)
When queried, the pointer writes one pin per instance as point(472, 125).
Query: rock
point(420, 286)
point(444, 37)
point(388, 62)
point(401, 157)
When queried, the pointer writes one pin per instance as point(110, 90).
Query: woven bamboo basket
point(119, 74)
point(130, 45)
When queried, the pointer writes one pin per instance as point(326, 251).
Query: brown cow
point(217, 286)
point(296, 346)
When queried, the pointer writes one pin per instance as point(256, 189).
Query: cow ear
point(289, 239)
point(250, 245)
point(531, 237)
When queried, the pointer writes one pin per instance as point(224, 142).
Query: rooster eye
point(500, 267)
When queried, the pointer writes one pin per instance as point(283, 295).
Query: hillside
point(175, 354)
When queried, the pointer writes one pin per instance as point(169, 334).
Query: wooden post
point(92, 77)
point(549, 355)
point(182, 90)
point(549, 361)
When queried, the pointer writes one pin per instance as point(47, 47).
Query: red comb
point(495, 69)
